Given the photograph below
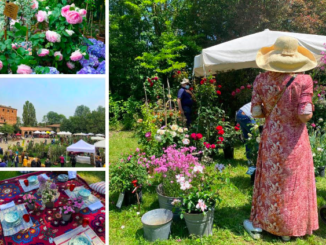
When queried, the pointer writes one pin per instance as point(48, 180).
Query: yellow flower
point(174, 127)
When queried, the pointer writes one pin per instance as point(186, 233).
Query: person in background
point(47, 163)
point(185, 100)
point(16, 160)
point(73, 160)
point(2, 164)
point(5, 158)
point(25, 162)
point(38, 163)
point(98, 162)
point(62, 161)
point(33, 163)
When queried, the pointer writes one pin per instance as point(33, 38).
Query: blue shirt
point(185, 97)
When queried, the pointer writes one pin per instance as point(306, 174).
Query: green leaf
point(21, 51)
point(17, 25)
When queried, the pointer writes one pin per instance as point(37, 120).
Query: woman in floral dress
point(284, 197)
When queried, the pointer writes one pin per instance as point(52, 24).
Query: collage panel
point(52, 207)
point(52, 122)
point(52, 37)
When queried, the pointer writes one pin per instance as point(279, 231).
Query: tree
point(82, 111)
point(95, 122)
point(53, 118)
point(29, 114)
point(7, 129)
point(18, 125)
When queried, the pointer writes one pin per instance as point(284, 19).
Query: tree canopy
point(29, 115)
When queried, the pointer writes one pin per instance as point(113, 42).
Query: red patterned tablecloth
point(45, 223)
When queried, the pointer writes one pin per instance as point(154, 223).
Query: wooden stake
point(145, 95)
point(165, 116)
point(169, 93)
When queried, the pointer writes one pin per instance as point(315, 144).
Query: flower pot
point(31, 206)
point(131, 198)
point(165, 202)
point(66, 217)
point(200, 224)
point(321, 171)
point(77, 210)
point(228, 152)
point(157, 224)
point(49, 205)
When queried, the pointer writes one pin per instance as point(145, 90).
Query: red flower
point(194, 136)
point(237, 90)
point(208, 146)
point(221, 132)
point(213, 146)
point(205, 143)
point(221, 139)
point(191, 89)
point(179, 72)
point(149, 80)
point(219, 127)
point(151, 85)
point(205, 79)
point(219, 86)
point(223, 119)
point(155, 78)
point(236, 128)
point(202, 82)
point(199, 136)
point(233, 93)
point(238, 125)
point(218, 92)
point(134, 182)
point(212, 81)
point(242, 87)
point(249, 86)
point(219, 142)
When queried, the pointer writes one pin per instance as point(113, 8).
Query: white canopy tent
point(36, 132)
point(100, 135)
point(90, 134)
point(80, 134)
point(52, 132)
point(82, 146)
point(100, 144)
point(42, 132)
point(241, 53)
point(64, 133)
point(97, 138)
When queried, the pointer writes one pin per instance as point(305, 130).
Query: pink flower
point(24, 69)
point(242, 87)
point(233, 93)
point(41, 16)
point(185, 185)
point(43, 52)
point(65, 10)
point(35, 4)
point(70, 65)
point(1, 65)
point(248, 86)
point(14, 46)
point(83, 12)
point(58, 53)
point(74, 17)
point(313, 125)
point(53, 37)
point(76, 56)
point(237, 90)
point(315, 82)
point(318, 94)
point(148, 134)
point(201, 205)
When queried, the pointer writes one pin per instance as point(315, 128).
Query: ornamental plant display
point(77, 202)
point(67, 209)
point(29, 199)
point(318, 145)
point(130, 172)
point(49, 191)
point(172, 163)
point(55, 43)
point(172, 134)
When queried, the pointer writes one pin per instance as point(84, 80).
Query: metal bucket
point(157, 224)
point(200, 224)
point(165, 202)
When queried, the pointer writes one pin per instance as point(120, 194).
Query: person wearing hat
point(284, 199)
point(185, 100)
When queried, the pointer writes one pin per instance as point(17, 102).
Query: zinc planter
point(165, 202)
point(66, 217)
point(321, 171)
point(157, 224)
point(131, 198)
point(200, 224)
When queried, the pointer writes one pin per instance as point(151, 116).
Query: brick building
point(8, 115)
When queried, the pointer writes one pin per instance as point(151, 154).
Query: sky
point(61, 95)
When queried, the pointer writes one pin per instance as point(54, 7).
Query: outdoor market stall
point(82, 146)
point(47, 225)
point(100, 144)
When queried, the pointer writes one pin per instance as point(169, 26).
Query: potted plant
point(318, 144)
point(77, 203)
point(30, 200)
point(129, 175)
point(199, 198)
point(173, 162)
point(48, 191)
point(67, 210)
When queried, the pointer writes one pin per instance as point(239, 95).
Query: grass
point(89, 176)
point(229, 215)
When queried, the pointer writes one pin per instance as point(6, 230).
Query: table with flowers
point(50, 224)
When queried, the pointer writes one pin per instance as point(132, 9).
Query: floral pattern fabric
point(284, 198)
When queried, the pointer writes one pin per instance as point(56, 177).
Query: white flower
point(319, 149)
point(174, 127)
point(138, 213)
point(173, 133)
point(158, 138)
point(180, 130)
point(180, 178)
point(201, 205)
point(122, 227)
point(73, 5)
point(320, 120)
point(185, 129)
point(197, 169)
point(186, 141)
point(313, 154)
point(185, 185)
point(70, 32)
point(175, 201)
point(256, 126)
point(161, 131)
point(47, 8)
point(249, 134)
point(258, 139)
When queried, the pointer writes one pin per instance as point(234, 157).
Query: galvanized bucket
point(157, 224)
point(165, 202)
point(200, 224)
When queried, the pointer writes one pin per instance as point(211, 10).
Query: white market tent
point(241, 53)
point(36, 132)
point(97, 138)
point(100, 144)
point(100, 135)
point(42, 132)
point(90, 134)
point(80, 134)
point(82, 146)
point(64, 133)
point(52, 132)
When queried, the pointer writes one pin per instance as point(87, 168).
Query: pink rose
point(70, 65)
point(44, 52)
point(83, 12)
point(24, 69)
point(41, 16)
point(53, 37)
point(14, 46)
point(313, 125)
point(76, 56)
point(1, 65)
point(58, 53)
point(233, 93)
point(74, 17)
point(65, 10)
point(35, 4)
point(242, 87)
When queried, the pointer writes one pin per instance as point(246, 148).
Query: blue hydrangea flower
point(97, 49)
point(87, 70)
point(101, 68)
point(92, 61)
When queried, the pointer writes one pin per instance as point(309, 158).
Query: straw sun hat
point(184, 81)
point(285, 56)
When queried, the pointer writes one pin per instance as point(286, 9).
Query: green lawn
point(229, 215)
point(89, 176)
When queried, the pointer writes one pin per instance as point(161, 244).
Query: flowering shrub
point(318, 145)
point(172, 134)
point(252, 143)
point(176, 162)
point(130, 172)
point(29, 198)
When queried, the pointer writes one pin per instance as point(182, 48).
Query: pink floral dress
point(284, 198)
